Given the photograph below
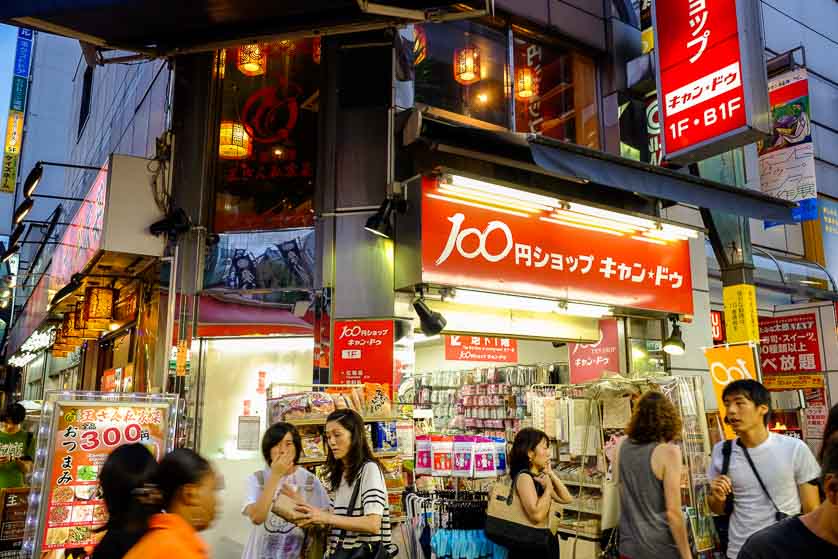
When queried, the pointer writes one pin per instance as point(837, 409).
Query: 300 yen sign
point(112, 436)
point(711, 116)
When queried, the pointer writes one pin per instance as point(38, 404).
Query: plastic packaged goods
point(321, 404)
point(377, 400)
point(393, 477)
point(384, 436)
point(405, 433)
point(500, 454)
point(312, 440)
point(423, 454)
point(484, 457)
point(442, 455)
point(463, 455)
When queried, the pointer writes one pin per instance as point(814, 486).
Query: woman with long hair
point(124, 473)
point(186, 486)
point(535, 482)
point(274, 537)
point(352, 468)
point(648, 469)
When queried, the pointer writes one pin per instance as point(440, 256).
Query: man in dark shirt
point(811, 535)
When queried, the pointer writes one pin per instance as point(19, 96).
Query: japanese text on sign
point(590, 361)
point(363, 351)
point(740, 303)
point(482, 248)
point(789, 344)
point(477, 348)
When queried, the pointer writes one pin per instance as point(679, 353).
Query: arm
point(809, 497)
point(720, 485)
point(560, 493)
point(536, 508)
point(671, 458)
point(258, 511)
point(367, 524)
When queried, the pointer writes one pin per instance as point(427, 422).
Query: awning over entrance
point(164, 27)
point(219, 318)
point(596, 174)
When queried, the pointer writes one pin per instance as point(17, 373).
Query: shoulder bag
point(778, 514)
point(282, 506)
point(507, 523)
point(377, 550)
point(722, 521)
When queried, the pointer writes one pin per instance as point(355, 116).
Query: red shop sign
point(710, 88)
point(589, 361)
point(789, 344)
point(363, 351)
point(717, 326)
point(484, 248)
point(476, 348)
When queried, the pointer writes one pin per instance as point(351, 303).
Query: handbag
point(377, 550)
point(282, 506)
point(508, 525)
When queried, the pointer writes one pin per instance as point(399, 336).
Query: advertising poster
point(590, 361)
point(363, 352)
point(13, 506)
point(790, 345)
point(787, 158)
point(730, 363)
point(741, 321)
point(82, 433)
point(477, 348)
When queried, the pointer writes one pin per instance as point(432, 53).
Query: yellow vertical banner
point(741, 322)
point(729, 363)
point(9, 173)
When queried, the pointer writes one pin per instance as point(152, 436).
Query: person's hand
point(283, 464)
point(5, 459)
point(721, 487)
point(292, 494)
point(310, 515)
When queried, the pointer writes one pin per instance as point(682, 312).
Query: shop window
point(267, 136)
point(645, 338)
point(86, 94)
point(555, 93)
point(461, 67)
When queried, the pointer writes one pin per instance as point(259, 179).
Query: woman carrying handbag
point(268, 504)
point(360, 517)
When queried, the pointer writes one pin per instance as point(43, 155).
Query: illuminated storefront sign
point(711, 76)
point(17, 106)
point(485, 236)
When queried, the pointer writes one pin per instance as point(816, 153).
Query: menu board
point(82, 434)
point(13, 505)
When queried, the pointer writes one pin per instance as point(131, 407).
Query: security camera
point(175, 223)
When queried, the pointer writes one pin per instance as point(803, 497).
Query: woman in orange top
point(187, 486)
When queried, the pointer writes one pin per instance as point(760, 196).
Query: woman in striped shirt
point(349, 460)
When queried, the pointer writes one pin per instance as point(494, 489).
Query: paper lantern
point(252, 60)
point(99, 303)
point(467, 65)
point(316, 50)
point(221, 63)
point(525, 84)
point(420, 45)
point(234, 141)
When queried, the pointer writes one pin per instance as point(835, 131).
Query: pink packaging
point(442, 455)
point(484, 457)
point(463, 455)
point(423, 454)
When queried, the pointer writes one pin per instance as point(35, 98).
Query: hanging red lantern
point(316, 50)
point(252, 59)
point(99, 303)
point(234, 141)
point(525, 84)
point(467, 65)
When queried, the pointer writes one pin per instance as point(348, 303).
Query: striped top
point(372, 499)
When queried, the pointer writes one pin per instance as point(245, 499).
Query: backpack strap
point(260, 479)
point(727, 450)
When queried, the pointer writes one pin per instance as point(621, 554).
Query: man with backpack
point(768, 476)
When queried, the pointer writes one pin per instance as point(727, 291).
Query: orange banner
point(727, 364)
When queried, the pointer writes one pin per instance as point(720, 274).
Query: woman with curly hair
point(648, 468)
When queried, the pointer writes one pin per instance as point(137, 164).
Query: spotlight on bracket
point(674, 344)
point(430, 322)
point(22, 211)
point(32, 180)
point(174, 223)
point(381, 222)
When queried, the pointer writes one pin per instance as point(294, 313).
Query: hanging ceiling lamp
point(252, 59)
point(221, 63)
point(99, 303)
point(467, 65)
point(234, 141)
point(316, 50)
point(525, 86)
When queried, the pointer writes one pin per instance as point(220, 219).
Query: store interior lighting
point(515, 302)
point(430, 322)
point(478, 193)
point(674, 344)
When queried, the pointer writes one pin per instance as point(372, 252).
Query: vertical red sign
point(701, 85)
point(717, 326)
point(478, 348)
point(589, 361)
point(363, 352)
point(789, 344)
